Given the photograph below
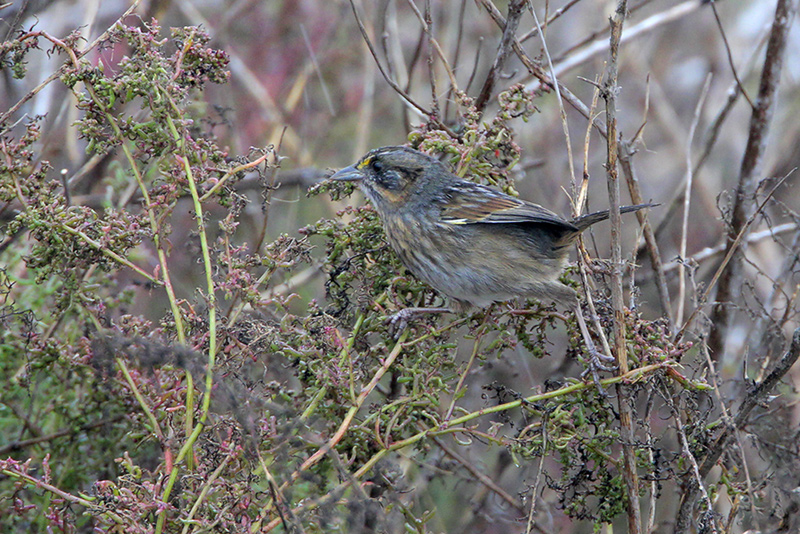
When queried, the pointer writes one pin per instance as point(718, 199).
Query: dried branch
point(304, 177)
point(433, 43)
point(457, 53)
point(23, 444)
point(609, 92)
point(577, 56)
point(482, 478)
point(744, 201)
point(688, 196)
point(559, 12)
point(710, 252)
point(730, 54)
point(399, 90)
point(626, 152)
point(541, 74)
point(731, 249)
point(515, 9)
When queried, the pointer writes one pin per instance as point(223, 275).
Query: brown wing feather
point(478, 204)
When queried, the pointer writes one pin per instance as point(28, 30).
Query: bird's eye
point(387, 178)
point(377, 166)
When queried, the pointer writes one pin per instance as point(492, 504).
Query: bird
point(473, 244)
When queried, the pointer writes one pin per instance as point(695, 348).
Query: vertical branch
point(610, 90)
point(744, 201)
point(457, 53)
point(515, 8)
point(687, 196)
point(431, 69)
point(626, 151)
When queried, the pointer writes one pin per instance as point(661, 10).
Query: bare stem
point(515, 10)
point(610, 89)
point(744, 201)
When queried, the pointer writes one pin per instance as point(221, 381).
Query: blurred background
point(303, 79)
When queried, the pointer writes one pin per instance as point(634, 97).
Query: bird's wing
point(478, 204)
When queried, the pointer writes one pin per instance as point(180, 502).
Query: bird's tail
point(585, 221)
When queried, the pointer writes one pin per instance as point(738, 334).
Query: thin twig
point(651, 243)
point(7, 468)
point(710, 252)
point(627, 149)
point(426, 27)
point(454, 425)
point(399, 90)
point(548, 21)
point(475, 64)
point(538, 481)
point(482, 478)
point(457, 53)
point(339, 434)
point(562, 112)
point(731, 249)
point(19, 445)
point(540, 73)
point(696, 477)
point(765, 321)
point(711, 135)
point(687, 197)
point(713, 376)
point(571, 59)
point(654, 484)
point(427, 22)
point(580, 193)
point(752, 161)
point(756, 397)
point(206, 489)
point(739, 83)
point(313, 57)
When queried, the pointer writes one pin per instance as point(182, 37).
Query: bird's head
point(393, 175)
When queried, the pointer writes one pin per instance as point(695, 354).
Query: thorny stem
point(610, 90)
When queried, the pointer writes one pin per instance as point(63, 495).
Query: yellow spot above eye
point(364, 163)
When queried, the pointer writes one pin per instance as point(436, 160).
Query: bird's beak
point(348, 174)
